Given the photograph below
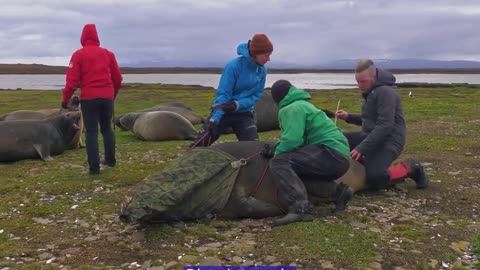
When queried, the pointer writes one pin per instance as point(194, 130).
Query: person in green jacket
point(311, 147)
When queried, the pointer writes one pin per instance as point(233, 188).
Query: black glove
point(268, 150)
point(75, 100)
point(207, 135)
point(211, 127)
point(64, 105)
point(230, 106)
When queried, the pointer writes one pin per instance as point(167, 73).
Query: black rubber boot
point(297, 212)
point(417, 173)
point(342, 195)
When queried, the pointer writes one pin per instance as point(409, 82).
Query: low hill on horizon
point(409, 63)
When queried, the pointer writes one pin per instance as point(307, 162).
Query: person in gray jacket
point(382, 137)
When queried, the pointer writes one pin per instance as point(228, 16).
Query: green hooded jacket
point(301, 123)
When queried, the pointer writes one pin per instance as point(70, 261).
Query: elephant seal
point(116, 121)
point(37, 138)
point(73, 105)
point(187, 113)
point(266, 113)
point(255, 197)
point(174, 104)
point(127, 121)
point(191, 116)
point(228, 180)
point(163, 126)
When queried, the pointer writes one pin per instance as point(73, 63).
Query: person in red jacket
point(95, 70)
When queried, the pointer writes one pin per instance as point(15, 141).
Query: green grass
point(320, 240)
point(410, 232)
point(476, 244)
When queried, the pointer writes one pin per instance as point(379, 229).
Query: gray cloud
point(190, 32)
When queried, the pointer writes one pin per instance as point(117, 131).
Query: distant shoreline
point(18, 69)
point(201, 87)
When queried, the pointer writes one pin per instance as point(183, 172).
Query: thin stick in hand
point(338, 107)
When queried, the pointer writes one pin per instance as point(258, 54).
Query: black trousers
point(98, 112)
point(242, 124)
point(376, 162)
point(318, 162)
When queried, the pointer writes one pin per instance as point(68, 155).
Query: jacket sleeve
point(384, 124)
point(73, 77)
point(249, 101)
point(115, 73)
point(354, 118)
point(224, 91)
point(292, 126)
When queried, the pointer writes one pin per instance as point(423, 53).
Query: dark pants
point(242, 124)
point(376, 162)
point(95, 112)
point(317, 162)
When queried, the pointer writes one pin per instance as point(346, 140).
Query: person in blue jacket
point(241, 85)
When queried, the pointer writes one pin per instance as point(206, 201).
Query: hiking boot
point(299, 211)
point(290, 218)
point(343, 194)
point(417, 173)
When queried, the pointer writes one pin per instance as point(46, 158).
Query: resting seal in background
point(247, 200)
point(266, 113)
point(174, 104)
point(178, 108)
point(37, 138)
point(162, 126)
point(73, 105)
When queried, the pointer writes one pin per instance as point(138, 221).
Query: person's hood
point(384, 78)
point(293, 95)
point(242, 50)
point(89, 35)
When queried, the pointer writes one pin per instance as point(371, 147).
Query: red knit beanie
point(260, 44)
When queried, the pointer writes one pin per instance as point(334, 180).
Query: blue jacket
point(242, 81)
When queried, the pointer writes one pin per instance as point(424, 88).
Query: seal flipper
point(42, 151)
point(191, 137)
point(81, 144)
point(256, 208)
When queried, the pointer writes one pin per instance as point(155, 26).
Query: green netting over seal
point(191, 187)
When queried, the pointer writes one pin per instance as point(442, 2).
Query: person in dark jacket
point(311, 146)
point(241, 85)
point(382, 138)
point(96, 71)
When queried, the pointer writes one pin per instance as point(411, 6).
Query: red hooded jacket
point(93, 68)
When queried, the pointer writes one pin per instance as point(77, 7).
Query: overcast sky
point(201, 32)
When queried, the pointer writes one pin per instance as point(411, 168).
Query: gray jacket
point(382, 117)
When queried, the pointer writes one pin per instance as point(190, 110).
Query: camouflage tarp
point(191, 187)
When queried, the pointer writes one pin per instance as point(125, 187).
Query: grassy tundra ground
point(55, 216)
